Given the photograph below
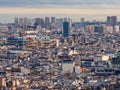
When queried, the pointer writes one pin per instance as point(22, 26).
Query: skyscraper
point(21, 21)
point(112, 20)
point(52, 19)
point(39, 21)
point(16, 22)
point(26, 21)
point(47, 22)
point(108, 20)
point(82, 20)
point(66, 29)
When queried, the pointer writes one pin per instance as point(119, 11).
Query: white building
point(67, 66)
point(109, 29)
point(101, 58)
point(116, 28)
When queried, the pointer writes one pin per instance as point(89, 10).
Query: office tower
point(52, 19)
point(108, 20)
point(59, 23)
point(26, 21)
point(39, 21)
point(47, 22)
point(16, 22)
point(66, 29)
point(99, 29)
point(112, 20)
point(65, 19)
point(82, 20)
point(21, 21)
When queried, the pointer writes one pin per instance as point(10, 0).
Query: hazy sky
point(60, 7)
point(59, 3)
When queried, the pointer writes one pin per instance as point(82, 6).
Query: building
point(66, 29)
point(101, 58)
point(108, 20)
point(47, 22)
point(109, 29)
point(59, 23)
point(52, 19)
point(82, 20)
point(4, 28)
point(2, 82)
point(39, 21)
point(67, 66)
point(90, 28)
point(16, 21)
point(46, 42)
point(21, 21)
point(27, 21)
point(17, 41)
point(112, 20)
point(99, 29)
point(116, 28)
point(65, 19)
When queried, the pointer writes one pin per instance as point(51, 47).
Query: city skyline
point(94, 9)
point(5, 18)
point(59, 45)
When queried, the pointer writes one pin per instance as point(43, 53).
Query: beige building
point(2, 82)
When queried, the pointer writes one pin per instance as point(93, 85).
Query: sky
point(71, 8)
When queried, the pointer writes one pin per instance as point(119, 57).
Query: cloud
point(57, 3)
point(59, 7)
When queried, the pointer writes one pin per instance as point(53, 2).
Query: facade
point(112, 20)
point(21, 21)
point(108, 20)
point(2, 82)
point(47, 22)
point(16, 22)
point(52, 19)
point(116, 28)
point(66, 29)
point(39, 21)
point(82, 20)
point(109, 29)
point(99, 29)
point(46, 42)
point(67, 66)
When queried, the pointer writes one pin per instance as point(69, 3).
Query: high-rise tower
point(66, 29)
